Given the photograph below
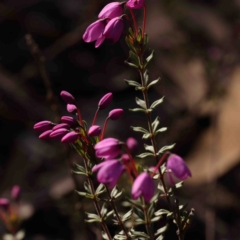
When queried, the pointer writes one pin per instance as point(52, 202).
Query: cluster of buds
point(71, 129)
point(9, 210)
point(110, 22)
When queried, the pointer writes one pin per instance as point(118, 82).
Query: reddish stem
point(132, 162)
point(95, 116)
point(161, 160)
point(134, 21)
point(104, 128)
point(79, 116)
point(144, 20)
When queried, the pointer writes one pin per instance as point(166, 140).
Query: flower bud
point(4, 204)
point(15, 193)
point(94, 31)
point(70, 137)
point(94, 131)
point(61, 125)
point(115, 114)
point(135, 4)
point(108, 148)
point(111, 10)
point(132, 144)
point(45, 135)
point(143, 186)
point(67, 97)
point(105, 101)
point(71, 108)
point(114, 29)
point(43, 126)
point(69, 120)
point(109, 172)
point(176, 166)
point(59, 133)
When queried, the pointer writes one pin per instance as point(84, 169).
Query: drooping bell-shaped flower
point(43, 126)
point(45, 135)
point(135, 4)
point(67, 97)
point(94, 31)
point(108, 148)
point(71, 108)
point(111, 10)
point(105, 101)
point(109, 172)
point(114, 29)
point(70, 137)
point(115, 114)
point(15, 193)
point(143, 186)
point(94, 131)
point(132, 144)
point(176, 166)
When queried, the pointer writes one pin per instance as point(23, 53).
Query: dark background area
point(197, 46)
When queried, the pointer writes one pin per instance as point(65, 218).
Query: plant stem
point(153, 140)
point(147, 222)
point(120, 222)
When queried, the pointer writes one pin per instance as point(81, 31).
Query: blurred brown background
point(197, 46)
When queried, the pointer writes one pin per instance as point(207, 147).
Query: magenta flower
point(135, 4)
point(132, 144)
point(94, 32)
point(61, 125)
point(109, 172)
point(108, 148)
point(67, 97)
point(114, 29)
point(69, 120)
point(70, 137)
point(105, 101)
point(94, 131)
point(115, 114)
point(43, 126)
point(59, 133)
point(111, 10)
point(15, 193)
point(4, 204)
point(71, 108)
point(143, 186)
point(45, 135)
point(176, 166)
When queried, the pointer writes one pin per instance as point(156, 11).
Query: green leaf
point(149, 148)
point(146, 77)
point(139, 234)
point(161, 212)
point(143, 155)
point(149, 58)
point(127, 215)
point(140, 129)
point(134, 58)
point(137, 110)
point(163, 129)
point(170, 215)
point(168, 147)
point(129, 43)
point(131, 64)
point(101, 189)
point(133, 83)
point(161, 237)
point(156, 103)
point(179, 185)
point(155, 124)
point(161, 230)
point(141, 103)
point(152, 83)
point(146, 135)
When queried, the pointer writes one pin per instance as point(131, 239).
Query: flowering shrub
point(112, 158)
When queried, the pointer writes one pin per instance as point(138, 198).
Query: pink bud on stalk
point(115, 114)
point(143, 186)
point(111, 10)
point(59, 133)
point(15, 193)
point(69, 120)
point(43, 126)
point(109, 172)
point(114, 29)
point(176, 166)
point(45, 135)
point(108, 148)
point(94, 32)
point(135, 4)
point(94, 131)
point(4, 204)
point(71, 108)
point(132, 144)
point(105, 101)
point(61, 125)
point(70, 137)
point(67, 97)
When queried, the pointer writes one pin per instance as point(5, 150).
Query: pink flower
point(94, 131)
point(105, 101)
point(132, 144)
point(67, 97)
point(135, 4)
point(109, 172)
point(177, 167)
point(111, 10)
point(16, 192)
point(114, 29)
point(108, 148)
point(59, 133)
point(94, 33)
point(70, 137)
point(143, 186)
point(43, 126)
point(115, 114)
point(71, 108)
point(45, 135)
